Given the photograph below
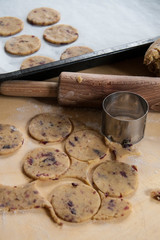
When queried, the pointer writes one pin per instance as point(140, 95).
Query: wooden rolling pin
point(87, 90)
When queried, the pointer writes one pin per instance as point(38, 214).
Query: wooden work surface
point(143, 222)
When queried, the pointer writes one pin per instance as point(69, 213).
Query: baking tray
point(114, 31)
point(106, 56)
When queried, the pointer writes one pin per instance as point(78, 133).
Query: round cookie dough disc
point(23, 45)
point(61, 34)
point(48, 127)
point(10, 139)
point(10, 26)
point(86, 145)
point(75, 202)
point(75, 51)
point(115, 178)
point(46, 163)
point(35, 61)
point(43, 16)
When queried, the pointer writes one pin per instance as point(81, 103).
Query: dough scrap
point(45, 163)
point(112, 208)
point(75, 202)
point(20, 198)
point(10, 26)
point(48, 127)
point(35, 61)
point(152, 57)
point(23, 198)
point(86, 145)
point(23, 45)
point(43, 16)
point(61, 34)
point(115, 179)
point(117, 151)
point(75, 51)
point(78, 169)
point(11, 139)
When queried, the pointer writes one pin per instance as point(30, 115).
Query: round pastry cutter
point(124, 117)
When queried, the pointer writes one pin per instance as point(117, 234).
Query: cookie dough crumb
point(10, 26)
point(35, 61)
point(43, 16)
point(156, 195)
point(79, 79)
point(23, 45)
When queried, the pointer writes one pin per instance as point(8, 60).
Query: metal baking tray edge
point(101, 57)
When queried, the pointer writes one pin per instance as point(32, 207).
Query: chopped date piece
point(30, 161)
point(76, 138)
point(134, 167)
point(7, 146)
point(126, 143)
point(123, 173)
point(72, 144)
point(73, 211)
point(74, 184)
point(70, 203)
point(99, 153)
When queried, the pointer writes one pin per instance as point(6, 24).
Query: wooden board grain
point(142, 224)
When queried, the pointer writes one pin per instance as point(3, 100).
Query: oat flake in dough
point(23, 45)
point(10, 26)
point(35, 61)
point(48, 127)
point(45, 163)
point(86, 145)
point(75, 201)
point(10, 139)
point(43, 16)
point(61, 34)
point(115, 179)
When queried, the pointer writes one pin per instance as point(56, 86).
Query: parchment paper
point(101, 24)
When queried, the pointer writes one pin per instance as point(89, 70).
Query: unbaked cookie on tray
point(35, 61)
point(43, 16)
point(61, 34)
point(75, 51)
point(49, 127)
point(45, 163)
point(11, 139)
point(23, 45)
point(10, 26)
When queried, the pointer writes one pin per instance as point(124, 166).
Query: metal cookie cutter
point(124, 117)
